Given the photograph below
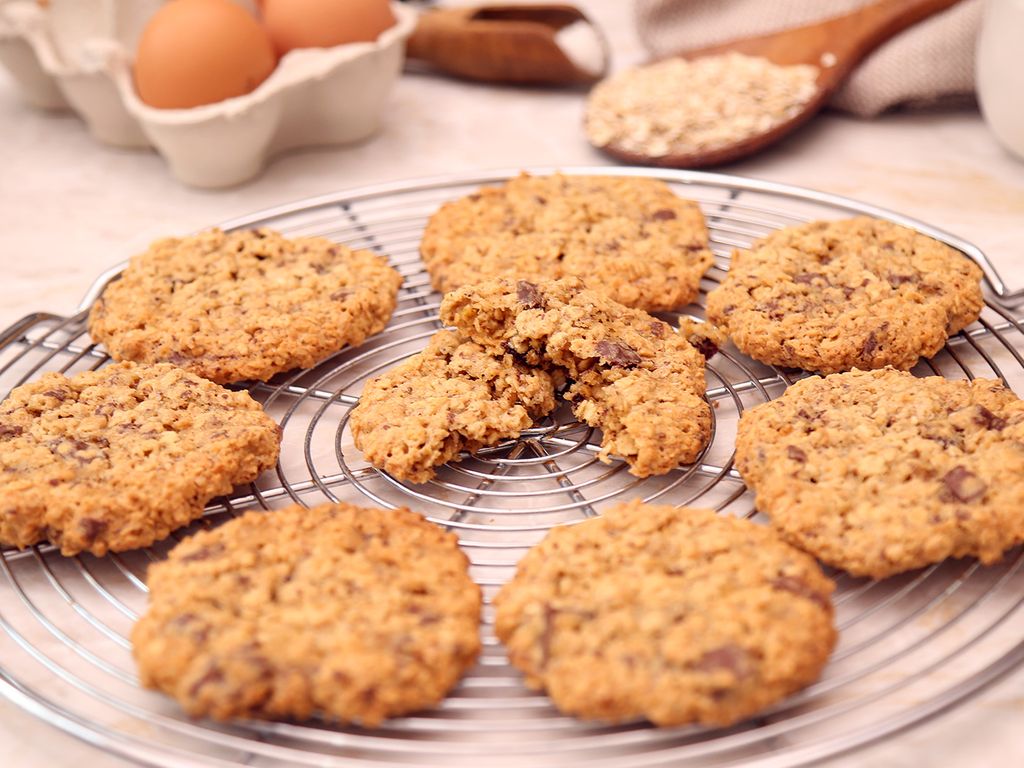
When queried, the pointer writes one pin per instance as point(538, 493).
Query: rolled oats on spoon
point(680, 107)
point(727, 101)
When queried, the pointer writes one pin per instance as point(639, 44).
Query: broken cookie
point(454, 396)
point(633, 376)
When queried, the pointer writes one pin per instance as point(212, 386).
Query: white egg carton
point(77, 54)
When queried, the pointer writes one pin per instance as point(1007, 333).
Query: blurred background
point(74, 205)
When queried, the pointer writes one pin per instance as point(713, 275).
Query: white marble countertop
point(71, 208)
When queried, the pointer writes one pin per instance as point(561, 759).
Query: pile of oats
point(678, 107)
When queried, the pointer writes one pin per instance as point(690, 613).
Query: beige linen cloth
point(930, 63)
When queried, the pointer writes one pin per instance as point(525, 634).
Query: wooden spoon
point(504, 44)
point(836, 46)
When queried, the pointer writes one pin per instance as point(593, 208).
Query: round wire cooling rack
point(910, 647)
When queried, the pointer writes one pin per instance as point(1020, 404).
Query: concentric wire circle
point(910, 647)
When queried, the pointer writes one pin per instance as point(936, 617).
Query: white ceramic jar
point(1000, 73)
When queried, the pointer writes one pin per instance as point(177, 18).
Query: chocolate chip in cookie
point(829, 296)
point(677, 615)
point(119, 457)
point(879, 472)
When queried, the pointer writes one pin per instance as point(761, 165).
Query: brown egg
point(324, 23)
point(195, 52)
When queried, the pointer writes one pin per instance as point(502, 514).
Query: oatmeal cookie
point(631, 238)
point(454, 396)
point(879, 472)
point(834, 295)
point(675, 615)
point(243, 305)
point(348, 613)
point(634, 377)
point(118, 458)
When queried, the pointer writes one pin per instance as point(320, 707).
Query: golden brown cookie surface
point(350, 613)
point(634, 377)
point(879, 472)
point(676, 615)
point(243, 305)
point(451, 397)
point(631, 238)
point(117, 458)
point(830, 296)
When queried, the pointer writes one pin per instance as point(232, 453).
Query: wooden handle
point(838, 44)
point(497, 43)
point(857, 34)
